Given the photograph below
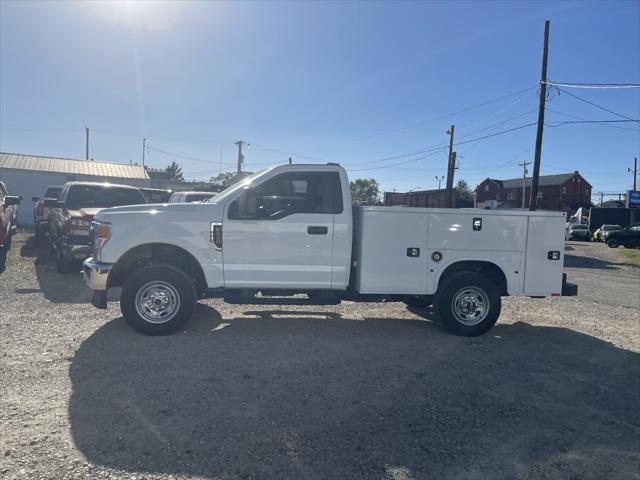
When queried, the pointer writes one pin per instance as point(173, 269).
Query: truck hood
point(162, 212)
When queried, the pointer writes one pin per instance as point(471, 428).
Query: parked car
point(629, 237)
point(12, 209)
point(156, 195)
point(7, 202)
point(576, 231)
point(605, 230)
point(71, 215)
point(292, 230)
point(41, 213)
point(191, 197)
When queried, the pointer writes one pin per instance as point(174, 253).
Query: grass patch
point(630, 256)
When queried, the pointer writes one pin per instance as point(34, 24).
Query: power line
point(593, 85)
point(440, 117)
point(438, 146)
point(594, 104)
point(559, 124)
point(582, 118)
point(184, 157)
point(399, 163)
point(497, 133)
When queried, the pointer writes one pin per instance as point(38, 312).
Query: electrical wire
point(184, 157)
point(593, 85)
point(497, 133)
point(594, 104)
point(575, 117)
point(559, 124)
point(396, 164)
point(440, 117)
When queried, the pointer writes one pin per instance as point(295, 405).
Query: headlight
point(100, 234)
point(76, 222)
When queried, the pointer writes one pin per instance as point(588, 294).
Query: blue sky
point(322, 82)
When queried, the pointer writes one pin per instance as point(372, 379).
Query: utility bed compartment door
point(391, 252)
point(543, 275)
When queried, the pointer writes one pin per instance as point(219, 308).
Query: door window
point(293, 192)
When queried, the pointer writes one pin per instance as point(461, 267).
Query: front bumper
point(96, 274)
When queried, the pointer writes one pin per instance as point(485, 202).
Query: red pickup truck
point(7, 202)
point(71, 215)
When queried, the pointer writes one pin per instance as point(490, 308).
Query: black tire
point(613, 243)
point(417, 302)
point(452, 288)
point(63, 264)
point(176, 285)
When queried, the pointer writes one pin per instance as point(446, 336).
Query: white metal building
point(30, 175)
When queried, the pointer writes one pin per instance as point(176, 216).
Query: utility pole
point(601, 198)
point(86, 132)
point(290, 161)
point(144, 149)
point(450, 169)
point(635, 173)
point(524, 180)
point(439, 180)
point(240, 143)
point(533, 200)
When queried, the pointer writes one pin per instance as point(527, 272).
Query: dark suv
point(628, 236)
point(72, 213)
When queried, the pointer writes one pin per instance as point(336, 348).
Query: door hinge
point(216, 234)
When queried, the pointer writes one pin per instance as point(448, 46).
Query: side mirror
point(11, 200)
point(248, 204)
point(51, 203)
point(35, 199)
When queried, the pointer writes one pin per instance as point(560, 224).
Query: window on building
point(564, 190)
point(511, 196)
point(539, 194)
point(486, 188)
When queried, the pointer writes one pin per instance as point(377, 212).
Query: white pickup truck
point(292, 230)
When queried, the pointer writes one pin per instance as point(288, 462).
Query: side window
point(294, 192)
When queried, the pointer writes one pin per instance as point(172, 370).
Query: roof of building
point(543, 181)
point(71, 166)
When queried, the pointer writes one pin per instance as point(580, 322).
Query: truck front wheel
point(467, 303)
point(158, 300)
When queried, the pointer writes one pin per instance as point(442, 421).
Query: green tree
point(175, 171)
point(463, 192)
point(365, 191)
point(223, 179)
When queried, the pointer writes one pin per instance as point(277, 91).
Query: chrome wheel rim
point(470, 305)
point(157, 302)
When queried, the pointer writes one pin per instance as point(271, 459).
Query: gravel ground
point(357, 391)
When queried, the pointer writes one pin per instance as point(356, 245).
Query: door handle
point(317, 230)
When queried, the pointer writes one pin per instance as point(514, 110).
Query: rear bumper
point(568, 289)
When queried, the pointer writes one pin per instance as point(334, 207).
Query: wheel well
point(154, 254)
point(489, 269)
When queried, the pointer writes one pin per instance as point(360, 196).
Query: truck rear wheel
point(613, 243)
point(468, 303)
point(158, 300)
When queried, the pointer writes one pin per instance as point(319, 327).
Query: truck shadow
point(318, 396)
point(56, 287)
point(579, 261)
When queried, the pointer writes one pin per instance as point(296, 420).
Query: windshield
point(53, 192)
point(611, 227)
point(96, 196)
point(243, 183)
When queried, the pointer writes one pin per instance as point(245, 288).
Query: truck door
point(287, 241)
